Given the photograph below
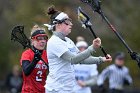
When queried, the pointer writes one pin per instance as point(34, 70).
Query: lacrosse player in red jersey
point(34, 63)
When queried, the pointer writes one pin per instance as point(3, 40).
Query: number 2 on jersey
point(39, 76)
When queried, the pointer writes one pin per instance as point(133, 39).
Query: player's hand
point(96, 43)
point(126, 82)
point(108, 59)
point(37, 56)
point(81, 83)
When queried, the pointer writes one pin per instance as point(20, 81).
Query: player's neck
point(60, 35)
point(37, 49)
point(120, 67)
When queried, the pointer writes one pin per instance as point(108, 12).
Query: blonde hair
point(36, 27)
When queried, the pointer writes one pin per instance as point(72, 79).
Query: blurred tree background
point(123, 14)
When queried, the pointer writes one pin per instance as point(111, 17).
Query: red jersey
point(34, 83)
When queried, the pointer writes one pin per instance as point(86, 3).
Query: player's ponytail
point(53, 12)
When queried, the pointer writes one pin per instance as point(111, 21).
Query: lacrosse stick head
point(95, 4)
point(18, 35)
point(83, 18)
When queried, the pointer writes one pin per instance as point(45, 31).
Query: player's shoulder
point(68, 39)
point(44, 52)
point(27, 55)
point(54, 40)
point(125, 68)
point(27, 51)
point(111, 66)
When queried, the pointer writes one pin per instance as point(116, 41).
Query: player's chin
point(42, 47)
point(69, 31)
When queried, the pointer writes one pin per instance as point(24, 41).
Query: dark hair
point(119, 55)
point(53, 13)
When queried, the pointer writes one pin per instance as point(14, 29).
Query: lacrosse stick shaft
point(101, 47)
point(121, 39)
point(115, 31)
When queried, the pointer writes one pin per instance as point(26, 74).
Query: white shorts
point(83, 91)
point(58, 91)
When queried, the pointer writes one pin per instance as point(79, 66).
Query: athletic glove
point(125, 82)
point(37, 56)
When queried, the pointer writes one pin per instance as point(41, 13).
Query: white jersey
point(61, 72)
point(83, 72)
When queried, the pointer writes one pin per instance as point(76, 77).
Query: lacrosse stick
point(95, 5)
point(18, 35)
point(84, 20)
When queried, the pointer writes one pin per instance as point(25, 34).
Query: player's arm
point(84, 57)
point(90, 82)
point(77, 58)
point(28, 66)
point(105, 73)
point(127, 79)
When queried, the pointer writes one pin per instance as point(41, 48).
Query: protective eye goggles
point(40, 37)
point(67, 21)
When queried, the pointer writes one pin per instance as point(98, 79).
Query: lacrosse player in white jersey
point(62, 54)
point(86, 75)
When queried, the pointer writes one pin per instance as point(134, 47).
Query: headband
point(38, 32)
point(58, 19)
point(61, 16)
